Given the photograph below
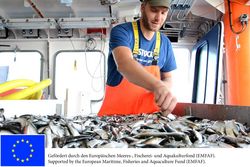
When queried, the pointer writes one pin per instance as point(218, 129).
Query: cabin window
point(20, 65)
point(80, 74)
point(181, 86)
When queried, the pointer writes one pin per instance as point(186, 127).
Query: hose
point(33, 90)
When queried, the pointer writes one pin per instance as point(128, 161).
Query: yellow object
point(136, 36)
point(158, 43)
point(33, 90)
point(6, 86)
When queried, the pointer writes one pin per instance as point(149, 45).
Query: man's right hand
point(165, 99)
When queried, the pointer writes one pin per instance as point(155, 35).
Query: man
point(139, 65)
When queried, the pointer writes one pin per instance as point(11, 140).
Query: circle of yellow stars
point(17, 158)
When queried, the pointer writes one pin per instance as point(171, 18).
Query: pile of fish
point(134, 131)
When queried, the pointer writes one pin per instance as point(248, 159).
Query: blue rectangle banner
point(22, 150)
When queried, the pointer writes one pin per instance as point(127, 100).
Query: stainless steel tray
point(215, 112)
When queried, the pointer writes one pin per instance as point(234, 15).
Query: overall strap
point(136, 37)
point(158, 43)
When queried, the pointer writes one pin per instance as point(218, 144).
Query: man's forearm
point(134, 72)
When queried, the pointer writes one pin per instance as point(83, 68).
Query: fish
point(130, 131)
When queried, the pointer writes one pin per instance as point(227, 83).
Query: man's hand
point(165, 99)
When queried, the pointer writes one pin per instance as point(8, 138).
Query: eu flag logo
point(22, 150)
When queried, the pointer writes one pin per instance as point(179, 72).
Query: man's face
point(153, 17)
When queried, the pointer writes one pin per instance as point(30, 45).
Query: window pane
point(212, 74)
point(20, 65)
point(80, 71)
point(181, 87)
point(202, 74)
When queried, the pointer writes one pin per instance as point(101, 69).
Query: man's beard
point(145, 22)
